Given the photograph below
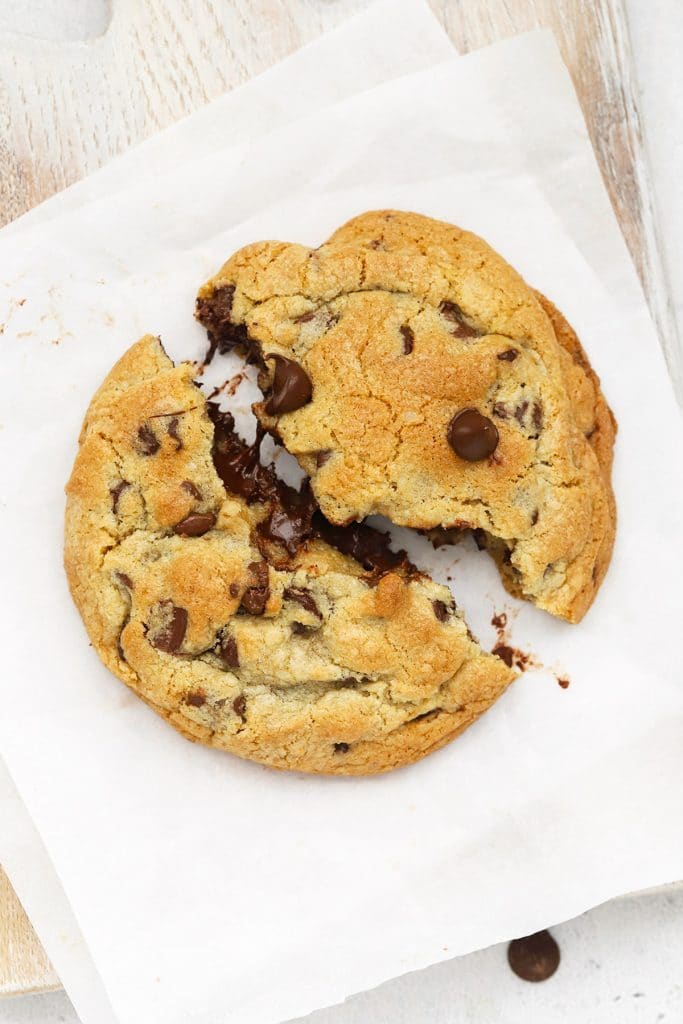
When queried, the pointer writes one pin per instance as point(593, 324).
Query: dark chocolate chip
point(520, 412)
point(292, 387)
point(408, 339)
point(255, 597)
point(148, 442)
point(171, 635)
point(289, 526)
point(301, 630)
point(305, 317)
point(505, 653)
point(196, 699)
point(509, 355)
point(172, 430)
point(537, 415)
point(124, 579)
point(116, 493)
point(239, 706)
point(196, 524)
point(322, 457)
point(472, 436)
point(440, 610)
point(341, 748)
point(535, 957)
point(192, 489)
point(229, 653)
point(234, 589)
point(534, 517)
point(304, 598)
point(462, 329)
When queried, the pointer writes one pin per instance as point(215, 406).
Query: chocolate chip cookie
point(226, 601)
point(414, 374)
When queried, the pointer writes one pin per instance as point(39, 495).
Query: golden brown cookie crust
point(400, 322)
point(336, 673)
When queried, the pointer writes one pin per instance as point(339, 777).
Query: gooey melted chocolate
point(293, 516)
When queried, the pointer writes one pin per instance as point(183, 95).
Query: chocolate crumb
point(172, 431)
point(534, 517)
point(304, 598)
point(500, 620)
point(124, 579)
point(509, 355)
point(116, 493)
point(239, 706)
point(229, 653)
point(322, 457)
point(564, 683)
point(440, 610)
point(234, 589)
point(192, 489)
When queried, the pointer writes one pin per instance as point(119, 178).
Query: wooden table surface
point(68, 107)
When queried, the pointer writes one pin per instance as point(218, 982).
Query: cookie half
point(225, 600)
point(414, 374)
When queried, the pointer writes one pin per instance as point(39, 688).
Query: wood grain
point(24, 967)
point(67, 108)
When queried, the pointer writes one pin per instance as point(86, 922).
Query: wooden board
point(69, 107)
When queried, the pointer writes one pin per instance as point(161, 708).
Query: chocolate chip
point(147, 443)
point(462, 329)
point(304, 598)
point(505, 653)
point(564, 683)
point(192, 489)
point(440, 610)
point(196, 524)
point(234, 589)
point(255, 597)
point(172, 430)
point(322, 457)
point(196, 699)
point(537, 415)
point(341, 748)
point(509, 355)
point(229, 653)
point(239, 706)
point(305, 317)
point(500, 621)
point(520, 412)
point(116, 493)
point(472, 436)
point(534, 517)
point(500, 410)
point(292, 387)
point(408, 339)
point(171, 635)
point(124, 579)
point(301, 630)
point(290, 525)
point(535, 957)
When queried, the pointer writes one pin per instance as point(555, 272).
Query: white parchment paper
point(213, 890)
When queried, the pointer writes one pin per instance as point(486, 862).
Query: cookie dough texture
point(400, 322)
point(300, 661)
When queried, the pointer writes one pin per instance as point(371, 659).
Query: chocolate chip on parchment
point(147, 441)
point(170, 635)
point(472, 436)
point(408, 339)
point(292, 387)
point(535, 957)
point(196, 524)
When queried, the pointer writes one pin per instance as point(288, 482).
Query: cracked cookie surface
point(225, 601)
point(414, 374)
